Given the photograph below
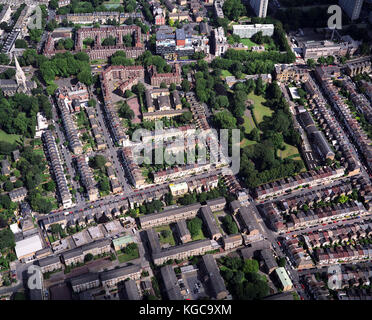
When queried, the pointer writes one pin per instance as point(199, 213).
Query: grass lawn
point(246, 142)
point(248, 125)
point(124, 257)
point(289, 152)
point(249, 43)
point(39, 152)
point(10, 138)
point(225, 73)
point(215, 214)
point(169, 239)
point(199, 236)
point(259, 109)
point(98, 61)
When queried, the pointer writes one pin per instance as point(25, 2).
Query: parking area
point(193, 284)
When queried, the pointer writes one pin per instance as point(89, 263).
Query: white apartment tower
point(259, 7)
point(352, 8)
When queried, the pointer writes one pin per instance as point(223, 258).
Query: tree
point(4, 58)
point(282, 262)
point(98, 162)
point(104, 184)
point(225, 120)
point(35, 35)
point(53, 4)
point(88, 257)
point(230, 225)
point(110, 41)
point(50, 186)
point(163, 85)
point(56, 229)
point(92, 102)
point(185, 85)
point(258, 38)
point(68, 44)
point(172, 87)
point(125, 111)
point(194, 225)
point(8, 186)
point(233, 9)
point(168, 198)
point(311, 63)
point(260, 88)
point(222, 101)
point(186, 117)
point(250, 266)
point(254, 135)
point(20, 43)
point(166, 233)
point(85, 77)
point(6, 239)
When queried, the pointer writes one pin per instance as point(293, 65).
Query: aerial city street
point(117, 182)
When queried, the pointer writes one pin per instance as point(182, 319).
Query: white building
point(42, 124)
point(249, 30)
point(219, 42)
point(26, 248)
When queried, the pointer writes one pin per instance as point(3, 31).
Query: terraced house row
point(119, 75)
point(70, 128)
point(352, 125)
point(329, 256)
point(57, 168)
point(312, 178)
point(341, 234)
point(316, 216)
point(86, 178)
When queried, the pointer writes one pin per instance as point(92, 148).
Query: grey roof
point(248, 219)
point(48, 261)
point(131, 290)
point(153, 238)
point(268, 258)
point(96, 244)
point(20, 192)
point(170, 212)
point(182, 228)
point(84, 278)
point(208, 218)
point(120, 272)
point(170, 283)
point(214, 280)
point(204, 28)
point(307, 122)
point(72, 253)
point(176, 97)
point(235, 205)
point(180, 34)
point(218, 201)
point(182, 248)
point(322, 144)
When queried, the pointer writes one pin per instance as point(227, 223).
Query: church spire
point(20, 75)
